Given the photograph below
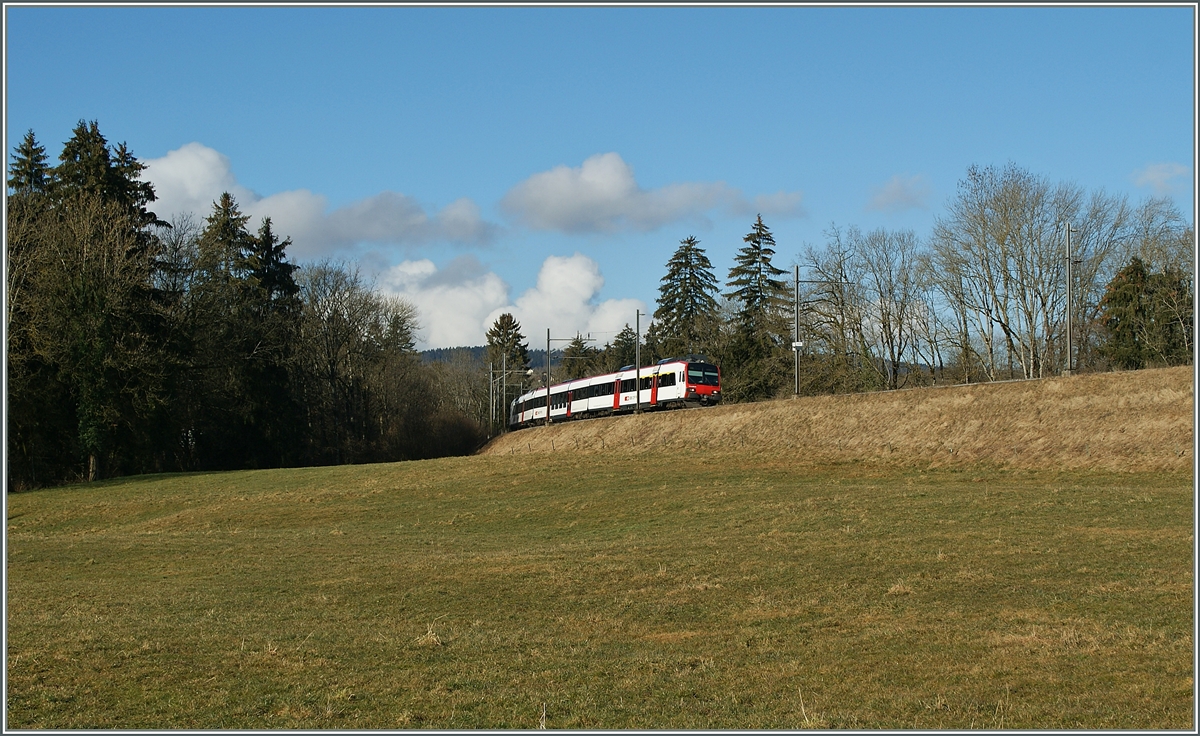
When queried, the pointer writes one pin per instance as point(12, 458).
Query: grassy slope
point(624, 590)
point(1116, 421)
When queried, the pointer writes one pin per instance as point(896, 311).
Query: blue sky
point(547, 161)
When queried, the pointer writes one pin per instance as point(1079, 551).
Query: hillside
point(1138, 420)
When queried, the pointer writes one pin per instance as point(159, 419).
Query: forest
point(138, 345)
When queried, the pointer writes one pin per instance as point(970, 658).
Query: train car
point(669, 383)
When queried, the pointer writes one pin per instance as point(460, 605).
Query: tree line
point(137, 345)
point(983, 298)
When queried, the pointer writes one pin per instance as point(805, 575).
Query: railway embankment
point(1125, 421)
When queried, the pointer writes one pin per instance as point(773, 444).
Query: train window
point(628, 385)
point(666, 379)
point(606, 389)
point(703, 374)
point(647, 383)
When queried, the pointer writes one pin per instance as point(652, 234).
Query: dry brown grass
point(1130, 421)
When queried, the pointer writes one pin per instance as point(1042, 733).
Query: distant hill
point(1135, 420)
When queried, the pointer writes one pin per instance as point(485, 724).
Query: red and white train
point(667, 384)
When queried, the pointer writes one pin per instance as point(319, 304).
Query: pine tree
point(753, 362)
point(762, 298)
point(507, 351)
point(1147, 317)
point(85, 163)
point(687, 308)
point(226, 330)
point(225, 245)
point(506, 344)
point(579, 358)
point(622, 350)
point(270, 271)
point(29, 174)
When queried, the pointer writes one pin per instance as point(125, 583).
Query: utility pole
point(548, 340)
point(796, 344)
point(637, 362)
point(1070, 295)
point(1070, 298)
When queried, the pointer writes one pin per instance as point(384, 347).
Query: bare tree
point(999, 256)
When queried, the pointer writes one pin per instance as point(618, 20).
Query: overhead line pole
point(637, 363)
point(1070, 295)
point(557, 339)
point(796, 344)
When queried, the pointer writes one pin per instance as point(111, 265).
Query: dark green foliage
point(754, 359)
point(579, 359)
point(29, 173)
point(83, 315)
point(508, 354)
point(687, 309)
point(621, 351)
point(506, 344)
point(1147, 317)
point(137, 346)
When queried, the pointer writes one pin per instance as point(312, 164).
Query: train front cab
point(703, 384)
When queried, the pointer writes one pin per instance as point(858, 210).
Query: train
point(669, 383)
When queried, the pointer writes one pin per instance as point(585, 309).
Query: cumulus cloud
point(602, 195)
point(901, 193)
point(192, 177)
point(1161, 176)
point(564, 300)
point(453, 303)
point(459, 303)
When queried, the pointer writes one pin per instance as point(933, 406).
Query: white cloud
point(602, 195)
point(564, 301)
point(901, 193)
point(192, 177)
point(1160, 176)
point(459, 303)
point(453, 303)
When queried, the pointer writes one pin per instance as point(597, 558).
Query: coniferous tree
point(686, 314)
point(81, 256)
point(622, 350)
point(754, 360)
point(29, 173)
point(224, 339)
point(579, 358)
point(508, 352)
point(506, 344)
point(1147, 318)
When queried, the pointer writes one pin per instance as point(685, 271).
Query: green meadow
point(594, 592)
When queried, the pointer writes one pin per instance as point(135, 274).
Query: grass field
point(654, 590)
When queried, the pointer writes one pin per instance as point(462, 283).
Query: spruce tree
point(29, 174)
point(270, 271)
point(507, 351)
point(761, 297)
point(506, 344)
point(621, 352)
point(1147, 317)
point(579, 358)
point(686, 314)
point(226, 331)
point(754, 362)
